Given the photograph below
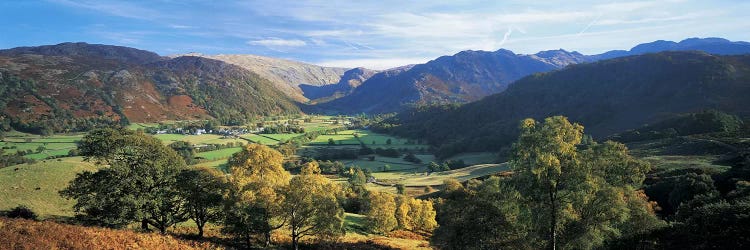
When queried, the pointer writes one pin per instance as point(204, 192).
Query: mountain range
point(74, 86)
point(470, 75)
point(77, 86)
point(607, 96)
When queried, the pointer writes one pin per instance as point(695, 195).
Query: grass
point(422, 179)
point(476, 158)
point(282, 137)
point(197, 139)
point(218, 154)
point(397, 164)
point(356, 231)
point(367, 137)
point(55, 145)
point(217, 164)
point(670, 162)
point(37, 185)
point(260, 139)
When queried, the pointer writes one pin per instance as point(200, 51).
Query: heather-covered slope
point(75, 88)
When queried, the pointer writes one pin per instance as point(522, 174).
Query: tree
point(100, 144)
point(203, 191)
point(138, 185)
point(255, 195)
point(422, 215)
point(311, 206)
point(402, 212)
point(578, 194)
point(400, 188)
point(22, 212)
point(381, 209)
point(487, 216)
point(185, 150)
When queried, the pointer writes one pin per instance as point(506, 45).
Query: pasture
point(37, 185)
point(198, 139)
point(423, 179)
point(41, 147)
point(218, 154)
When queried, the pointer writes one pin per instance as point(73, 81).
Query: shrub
point(22, 212)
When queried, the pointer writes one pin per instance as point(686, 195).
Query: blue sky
point(374, 34)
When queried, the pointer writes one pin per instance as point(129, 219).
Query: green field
point(669, 162)
point(280, 137)
point(260, 139)
point(220, 164)
point(397, 164)
point(218, 154)
point(37, 185)
point(198, 139)
point(476, 158)
point(55, 145)
point(421, 179)
point(367, 137)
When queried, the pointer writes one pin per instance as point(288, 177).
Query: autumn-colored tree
point(381, 209)
point(255, 194)
point(403, 206)
point(311, 206)
point(422, 216)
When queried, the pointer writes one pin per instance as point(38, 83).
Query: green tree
point(400, 188)
point(488, 216)
point(203, 191)
point(577, 194)
point(138, 185)
point(184, 149)
point(311, 206)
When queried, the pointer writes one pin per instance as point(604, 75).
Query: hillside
point(286, 75)
point(717, 46)
point(27, 234)
point(463, 77)
point(608, 97)
point(350, 80)
point(470, 75)
point(76, 87)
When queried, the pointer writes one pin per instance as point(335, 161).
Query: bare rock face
point(286, 75)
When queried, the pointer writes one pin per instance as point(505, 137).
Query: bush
point(22, 212)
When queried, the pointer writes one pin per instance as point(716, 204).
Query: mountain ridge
point(470, 75)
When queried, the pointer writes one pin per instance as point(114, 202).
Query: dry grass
point(26, 234)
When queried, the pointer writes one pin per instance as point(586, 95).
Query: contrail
point(590, 24)
point(505, 37)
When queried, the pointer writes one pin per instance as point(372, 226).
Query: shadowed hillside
point(609, 96)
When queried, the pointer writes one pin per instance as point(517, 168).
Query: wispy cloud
point(278, 42)
point(384, 34)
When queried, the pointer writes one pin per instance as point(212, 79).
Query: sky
point(373, 34)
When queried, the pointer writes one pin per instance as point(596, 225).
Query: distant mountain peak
point(82, 49)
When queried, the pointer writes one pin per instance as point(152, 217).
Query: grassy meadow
point(36, 185)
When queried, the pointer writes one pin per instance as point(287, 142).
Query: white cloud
point(374, 63)
point(278, 42)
